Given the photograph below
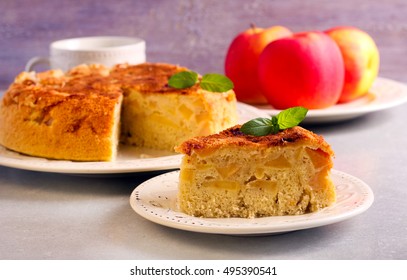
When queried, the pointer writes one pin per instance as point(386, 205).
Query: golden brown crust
point(234, 137)
point(95, 79)
point(54, 84)
point(149, 77)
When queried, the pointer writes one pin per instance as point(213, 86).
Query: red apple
point(361, 58)
point(305, 69)
point(242, 58)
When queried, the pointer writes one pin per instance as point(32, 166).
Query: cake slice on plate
point(232, 174)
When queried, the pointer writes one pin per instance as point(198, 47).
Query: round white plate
point(129, 159)
point(384, 94)
point(156, 200)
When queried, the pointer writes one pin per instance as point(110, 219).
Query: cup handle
point(36, 61)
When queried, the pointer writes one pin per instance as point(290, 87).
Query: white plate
point(156, 200)
point(384, 94)
point(129, 159)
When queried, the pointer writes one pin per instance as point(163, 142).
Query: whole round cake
point(83, 114)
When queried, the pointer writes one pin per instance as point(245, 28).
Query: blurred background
point(191, 33)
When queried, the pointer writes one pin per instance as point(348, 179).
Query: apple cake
point(231, 174)
point(82, 114)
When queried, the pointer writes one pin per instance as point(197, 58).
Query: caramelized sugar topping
point(233, 136)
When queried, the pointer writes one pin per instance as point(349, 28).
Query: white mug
point(106, 50)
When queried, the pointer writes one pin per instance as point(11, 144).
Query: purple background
point(191, 33)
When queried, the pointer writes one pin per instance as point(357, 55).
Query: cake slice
point(231, 174)
point(157, 116)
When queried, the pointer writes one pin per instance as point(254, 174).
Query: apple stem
point(252, 26)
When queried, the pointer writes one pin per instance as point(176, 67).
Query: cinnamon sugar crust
point(95, 79)
point(148, 77)
point(234, 137)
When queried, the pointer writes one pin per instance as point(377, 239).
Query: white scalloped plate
point(129, 159)
point(384, 94)
point(156, 200)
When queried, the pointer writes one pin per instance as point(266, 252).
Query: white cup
point(106, 50)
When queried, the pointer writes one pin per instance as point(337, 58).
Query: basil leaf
point(291, 117)
point(285, 119)
point(257, 127)
point(184, 79)
point(216, 83)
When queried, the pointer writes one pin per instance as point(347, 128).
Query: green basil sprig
point(211, 82)
point(285, 119)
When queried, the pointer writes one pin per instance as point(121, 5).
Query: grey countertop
point(56, 216)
